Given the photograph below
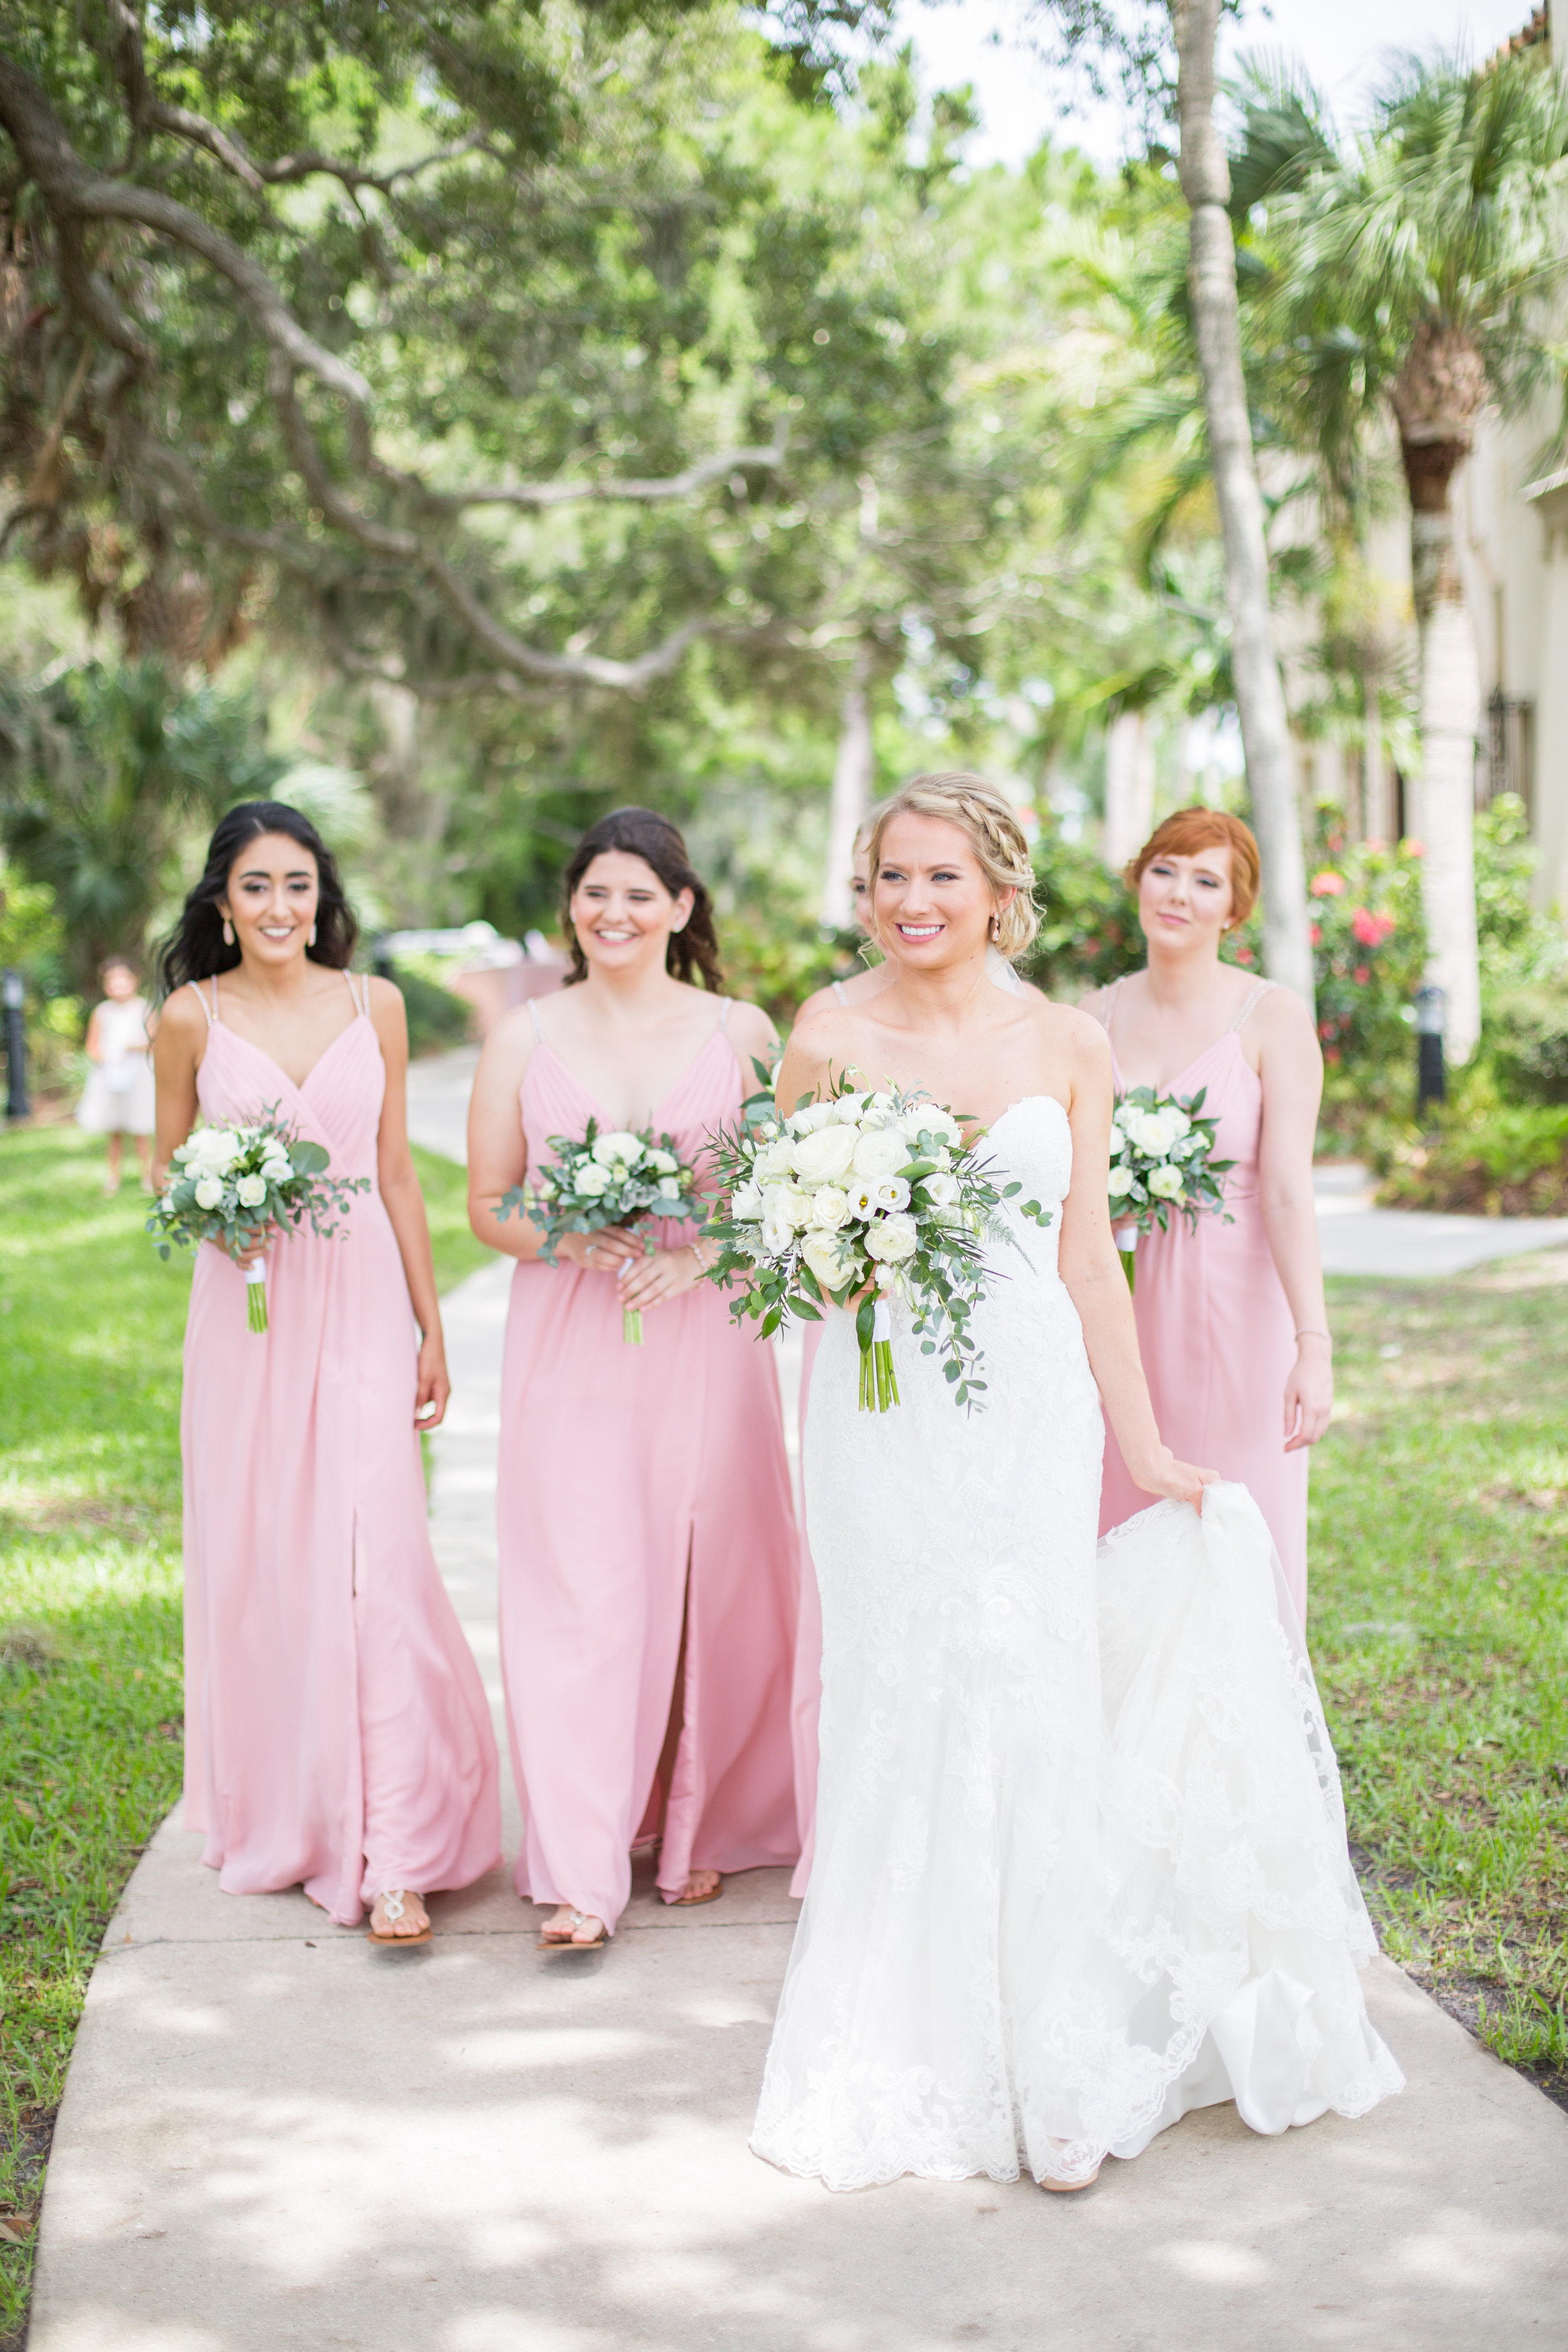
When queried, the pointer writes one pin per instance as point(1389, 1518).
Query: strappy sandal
point(391, 1900)
point(689, 1902)
point(548, 1943)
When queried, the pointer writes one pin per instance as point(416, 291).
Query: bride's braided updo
point(989, 819)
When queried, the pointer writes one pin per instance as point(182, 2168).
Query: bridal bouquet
point(596, 1181)
point(229, 1185)
point(1162, 1158)
point(875, 1196)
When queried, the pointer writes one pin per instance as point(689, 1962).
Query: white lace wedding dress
point(1081, 1851)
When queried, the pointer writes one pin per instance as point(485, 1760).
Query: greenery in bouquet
point(233, 1186)
point(1161, 1163)
point(598, 1180)
point(863, 1197)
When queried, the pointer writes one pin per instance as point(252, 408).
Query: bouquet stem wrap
point(1127, 1243)
point(878, 1382)
point(256, 1295)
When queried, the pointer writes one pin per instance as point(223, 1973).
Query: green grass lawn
point(90, 1327)
point(1439, 1631)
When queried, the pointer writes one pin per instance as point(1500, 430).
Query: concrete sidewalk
point(276, 2136)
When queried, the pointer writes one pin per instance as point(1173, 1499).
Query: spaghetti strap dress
point(337, 1733)
point(645, 1534)
point(1215, 1327)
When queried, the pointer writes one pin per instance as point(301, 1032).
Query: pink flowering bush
point(1368, 948)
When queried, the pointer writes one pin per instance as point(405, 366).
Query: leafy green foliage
point(1369, 946)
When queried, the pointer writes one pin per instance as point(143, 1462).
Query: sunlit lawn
point(1439, 1630)
point(91, 1326)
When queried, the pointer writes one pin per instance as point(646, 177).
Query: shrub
point(436, 1016)
point(1526, 1042)
point(1369, 945)
point(1089, 932)
point(1493, 1160)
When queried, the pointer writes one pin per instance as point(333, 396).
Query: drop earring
point(227, 932)
point(311, 941)
point(995, 927)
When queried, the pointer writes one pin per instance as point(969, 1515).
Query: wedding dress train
point(1080, 1851)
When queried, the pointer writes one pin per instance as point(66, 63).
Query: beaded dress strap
point(533, 1016)
point(1261, 989)
point(724, 1016)
point(210, 1010)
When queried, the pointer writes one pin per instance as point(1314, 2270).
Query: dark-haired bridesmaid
point(336, 1728)
point(647, 1544)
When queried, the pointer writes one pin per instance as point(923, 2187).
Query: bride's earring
point(995, 927)
point(227, 932)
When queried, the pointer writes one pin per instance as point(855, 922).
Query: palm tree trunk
point(1259, 694)
point(1445, 815)
point(1129, 788)
point(852, 773)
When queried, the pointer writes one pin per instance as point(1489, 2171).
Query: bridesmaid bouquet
point(869, 1195)
point(228, 1184)
point(1162, 1158)
point(597, 1180)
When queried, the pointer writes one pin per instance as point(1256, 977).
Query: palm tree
point(99, 770)
point(1410, 272)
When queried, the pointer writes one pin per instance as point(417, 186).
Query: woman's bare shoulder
point(1066, 1028)
point(181, 1018)
point(1280, 1018)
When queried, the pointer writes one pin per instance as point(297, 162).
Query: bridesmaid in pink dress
point(648, 1563)
point(1231, 1318)
point(337, 1733)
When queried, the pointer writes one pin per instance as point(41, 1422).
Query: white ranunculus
point(940, 1190)
point(1119, 1181)
point(847, 1109)
point(929, 1120)
point(209, 1192)
point(617, 1149)
point(665, 1162)
point(746, 1203)
point(1167, 1184)
point(795, 1205)
point(892, 1240)
point(829, 1207)
point(278, 1171)
point(1149, 1133)
point(252, 1192)
point(827, 1258)
point(880, 1152)
point(216, 1151)
point(669, 1188)
point(807, 1120)
point(775, 1161)
point(590, 1179)
point(825, 1157)
point(890, 1192)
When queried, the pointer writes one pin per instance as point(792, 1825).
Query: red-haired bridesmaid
point(1232, 1324)
point(336, 1727)
point(647, 1544)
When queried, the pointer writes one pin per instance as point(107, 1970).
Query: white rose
point(665, 1162)
point(940, 1190)
point(849, 1110)
point(890, 1192)
point(778, 1226)
point(880, 1152)
point(892, 1240)
point(776, 1160)
point(746, 1203)
point(1147, 1129)
point(209, 1192)
point(277, 1171)
point(824, 1157)
point(829, 1207)
point(590, 1179)
point(1119, 1181)
point(252, 1192)
point(808, 1121)
point(617, 1149)
point(938, 1124)
point(215, 1151)
point(1167, 1184)
point(828, 1260)
point(669, 1188)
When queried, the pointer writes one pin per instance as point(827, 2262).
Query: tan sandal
point(390, 1900)
point(571, 1943)
point(689, 1902)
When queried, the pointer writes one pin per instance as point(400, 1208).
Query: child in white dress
point(118, 1099)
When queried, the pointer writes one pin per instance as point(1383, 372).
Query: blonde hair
point(990, 821)
point(866, 831)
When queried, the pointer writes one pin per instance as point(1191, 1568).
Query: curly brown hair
point(643, 832)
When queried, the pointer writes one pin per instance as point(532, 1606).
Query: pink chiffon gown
point(336, 1728)
point(643, 1492)
point(1215, 1327)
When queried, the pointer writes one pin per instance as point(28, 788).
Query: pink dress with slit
point(642, 1489)
point(336, 1728)
point(1215, 1327)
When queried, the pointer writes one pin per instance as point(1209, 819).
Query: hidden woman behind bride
point(1080, 1854)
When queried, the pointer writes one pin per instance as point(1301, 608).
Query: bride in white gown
point(1081, 1851)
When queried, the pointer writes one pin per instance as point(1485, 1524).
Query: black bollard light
point(1431, 1020)
point(11, 992)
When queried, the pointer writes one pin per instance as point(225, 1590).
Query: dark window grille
point(1509, 764)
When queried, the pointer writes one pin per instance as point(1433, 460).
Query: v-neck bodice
point(553, 1100)
point(1233, 1094)
point(337, 1104)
